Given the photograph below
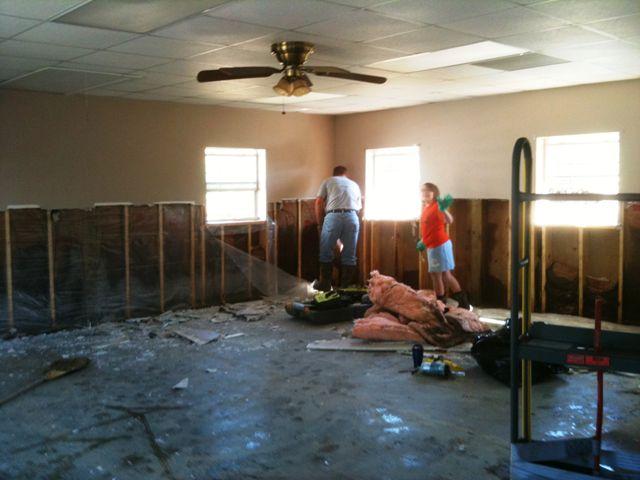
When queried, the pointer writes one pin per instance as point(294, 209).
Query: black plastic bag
point(492, 352)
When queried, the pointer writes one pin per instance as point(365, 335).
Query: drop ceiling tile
point(103, 92)
point(355, 54)
point(506, 22)
point(74, 36)
point(151, 96)
point(181, 67)
point(357, 3)
point(63, 81)
point(96, 68)
point(452, 73)
point(25, 64)
point(610, 49)
point(214, 30)
point(439, 11)
point(164, 47)
point(623, 27)
point(46, 51)
point(10, 26)
point(38, 9)
point(554, 38)
point(134, 16)
point(158, 78)
point(115, 59)
point(360, 26)
point(132, 86)
point(521, 62)
point(426, 39)
point(236, 57)
point(283, 14)
point(583, 11)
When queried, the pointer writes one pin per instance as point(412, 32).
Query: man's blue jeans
point(343, 226)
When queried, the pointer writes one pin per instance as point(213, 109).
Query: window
point(578, 164)
point(236, 190)
point(393, 183)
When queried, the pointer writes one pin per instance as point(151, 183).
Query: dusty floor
point(263, 406)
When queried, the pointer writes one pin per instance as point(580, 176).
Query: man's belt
point(342, 210)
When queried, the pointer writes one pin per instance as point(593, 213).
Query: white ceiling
point(152, 49)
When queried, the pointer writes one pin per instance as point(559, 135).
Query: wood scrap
point(196, 335)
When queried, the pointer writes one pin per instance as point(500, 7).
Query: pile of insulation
point(401, 313)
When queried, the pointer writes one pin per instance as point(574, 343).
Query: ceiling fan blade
point(342, 73)
point(235, 73)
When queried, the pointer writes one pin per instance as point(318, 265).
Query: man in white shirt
point(337, 205)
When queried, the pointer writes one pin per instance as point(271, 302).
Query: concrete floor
point(269, 408)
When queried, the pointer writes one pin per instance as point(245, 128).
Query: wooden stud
point(161, 253)
point(395, 252)
point(580, 271)
point(299, 236)
point(275, 246)
point(475, 275)
point(192, 254)
point(363, 259)
point(203, 263)
point(620, 270)
point(372, 253)
point(250, 266)
point(127, 260)
point(222, 265)
point(9, 267)
point(52, 280)
point(543, 269)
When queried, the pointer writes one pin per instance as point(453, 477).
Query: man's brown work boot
point(324, 282)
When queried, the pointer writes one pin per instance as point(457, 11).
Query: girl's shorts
point(441, 257)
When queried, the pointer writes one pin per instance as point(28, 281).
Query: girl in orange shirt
point(434, 238)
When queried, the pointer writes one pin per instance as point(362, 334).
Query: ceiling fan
point(294, 81)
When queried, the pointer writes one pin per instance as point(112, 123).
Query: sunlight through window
point(392, 183)
point(587, 163)
point(236, 181)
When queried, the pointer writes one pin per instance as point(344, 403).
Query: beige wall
point(72, 151)
point(466, 145)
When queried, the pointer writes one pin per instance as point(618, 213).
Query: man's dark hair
point(339, 170)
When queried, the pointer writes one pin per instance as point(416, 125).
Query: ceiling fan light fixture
point(301, 86)
point(284, 87)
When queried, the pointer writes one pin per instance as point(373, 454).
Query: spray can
point(435, 368)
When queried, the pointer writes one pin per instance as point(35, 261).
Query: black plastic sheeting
point(492, 352)
point(89, 258)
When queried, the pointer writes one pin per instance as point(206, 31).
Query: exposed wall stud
point(475, 275)
point(299, 236)
point(203, 262)
point(543, 269)
point(127, 260)
point(192, 255)
point(52, 280)
point(620, 270)
point(580, 271)
point(222, 265)
point(250, 266)
point(275, 246)
point(9, 268)
point(161, 253)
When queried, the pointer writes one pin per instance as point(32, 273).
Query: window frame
point(258, 187)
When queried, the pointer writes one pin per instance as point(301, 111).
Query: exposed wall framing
point(64, 268)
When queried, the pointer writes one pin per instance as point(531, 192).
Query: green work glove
point(420, 246)
point(444, 203)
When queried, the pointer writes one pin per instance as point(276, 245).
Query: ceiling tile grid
point(160, 45)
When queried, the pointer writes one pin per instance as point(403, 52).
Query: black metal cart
point(555, 344)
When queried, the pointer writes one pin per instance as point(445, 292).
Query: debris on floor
point(401, 313)
point(182, 384)
point(234, 335)
point(251, 311)
point(361, 345)
point(196, 335)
